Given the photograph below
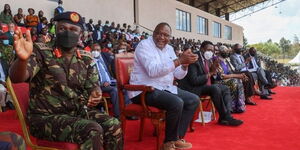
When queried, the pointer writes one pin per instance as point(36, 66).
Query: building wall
point(119, 11)
point(149, 13)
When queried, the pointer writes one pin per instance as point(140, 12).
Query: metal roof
point(221, 7)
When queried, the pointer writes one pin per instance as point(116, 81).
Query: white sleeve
point(144, 55)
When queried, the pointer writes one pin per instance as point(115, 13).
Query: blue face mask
point(109, 45)
point(5, 42)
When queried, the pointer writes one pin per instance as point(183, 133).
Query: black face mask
point(238, 51)
point(67, 39)
point(253, 54)
point(224, 55)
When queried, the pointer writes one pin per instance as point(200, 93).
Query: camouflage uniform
point(59, 90)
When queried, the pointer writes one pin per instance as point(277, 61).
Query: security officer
point(64, 89)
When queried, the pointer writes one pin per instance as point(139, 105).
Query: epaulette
point(42, 46)
point(85, 53)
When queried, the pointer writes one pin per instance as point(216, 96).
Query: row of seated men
point(65, 87)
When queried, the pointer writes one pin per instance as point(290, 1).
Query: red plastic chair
point(124, 64)
point(20, 96)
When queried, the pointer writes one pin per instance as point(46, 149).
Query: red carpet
point(271, 125)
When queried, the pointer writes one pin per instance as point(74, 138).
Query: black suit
point(195, 82)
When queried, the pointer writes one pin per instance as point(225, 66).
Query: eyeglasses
point(163, 35)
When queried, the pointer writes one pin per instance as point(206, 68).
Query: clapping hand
point(188, 57)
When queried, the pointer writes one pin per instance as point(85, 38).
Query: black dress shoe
point(230, 122)
point(3, 109)
point(10, 105)
point(272, 92)
point(237, 111)
point(132, 118)
point(265, 97)
point(249, 102)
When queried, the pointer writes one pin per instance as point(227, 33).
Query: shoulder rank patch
point(42, 46)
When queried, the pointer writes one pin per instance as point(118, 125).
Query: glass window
point(228, 32)
point(217, 29)
point(183, 20)
point(202, 25)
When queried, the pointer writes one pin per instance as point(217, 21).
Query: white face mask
point(95, 54)
point(208, 55)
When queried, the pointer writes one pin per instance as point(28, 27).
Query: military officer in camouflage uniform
point(64, 89)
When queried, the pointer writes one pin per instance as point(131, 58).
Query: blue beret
point(70, 17)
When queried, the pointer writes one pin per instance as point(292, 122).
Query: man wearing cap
point(64, 89)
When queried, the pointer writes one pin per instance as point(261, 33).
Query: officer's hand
point(94, 98)
point(23, 46)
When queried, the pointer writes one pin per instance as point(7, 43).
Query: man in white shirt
point(156, 65)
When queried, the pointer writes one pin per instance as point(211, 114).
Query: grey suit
point(238, 62)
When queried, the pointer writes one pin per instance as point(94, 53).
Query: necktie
point(207, 71)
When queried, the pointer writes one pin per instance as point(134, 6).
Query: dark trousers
point(248, 85)
point(113, 92)
point(220, 95)
point(180, 110)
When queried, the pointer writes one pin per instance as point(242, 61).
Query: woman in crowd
point(226, 76)
point(31, 19)
point(19, 18)
point(6, 16)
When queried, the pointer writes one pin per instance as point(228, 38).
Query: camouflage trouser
point(13, 140)
point(98, 132)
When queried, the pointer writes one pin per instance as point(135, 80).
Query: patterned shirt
point(59, 86)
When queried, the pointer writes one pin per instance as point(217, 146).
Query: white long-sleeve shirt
point(155, 67)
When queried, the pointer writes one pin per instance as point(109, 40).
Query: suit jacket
point(237, 62)
point(90, 27)
point(250, 63)
point(109, 62)
point(4, 67)
point(195, 78)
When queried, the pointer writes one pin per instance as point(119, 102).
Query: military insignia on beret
point(74, 17)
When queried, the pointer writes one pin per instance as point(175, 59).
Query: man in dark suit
point(258, 73)
point(198, 81)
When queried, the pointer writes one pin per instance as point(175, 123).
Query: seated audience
point(59, 9)
point(107, 82)
point(226, 76)
point(64, 89)
point(31, 19)
point(198, 81)
point(10, 33)
point(6, 16)
point(19, 18)
point(253, 66)
point(42, 24)
point(156, 65)
point(41, 15)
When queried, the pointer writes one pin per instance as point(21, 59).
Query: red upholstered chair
point(20, 96)
point(124, 65)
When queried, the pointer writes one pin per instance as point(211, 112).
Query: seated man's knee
point(93, 127)
point(176, 104)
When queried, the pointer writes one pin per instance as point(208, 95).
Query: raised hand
point(23, 46)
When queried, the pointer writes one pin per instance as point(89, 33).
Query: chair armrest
point(143, 88)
